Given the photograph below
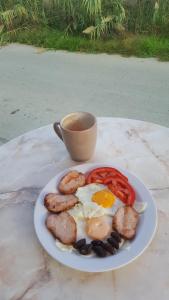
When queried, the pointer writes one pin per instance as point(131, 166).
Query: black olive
point(99, 251)
point(113, 242)
point(96, 243)
point(79, 244)
point(116, 236)
point(86, 249)
point(109, 248)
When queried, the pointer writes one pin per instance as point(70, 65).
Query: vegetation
point(83, 25)
point(136, 45)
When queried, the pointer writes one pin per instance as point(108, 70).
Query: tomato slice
point(121, 188)
point(99, 174)
point(94, 178)
point(116, 182)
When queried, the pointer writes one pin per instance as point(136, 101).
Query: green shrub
point(96, 19)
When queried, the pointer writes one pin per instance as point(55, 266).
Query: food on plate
point(122, 189)
point(56, 203)
point(116, 236)
point(82, 247)
point(79, 244)
point(90, 195)
point(98, 228)
point(88, 207)
point(116, 182)
point(97, 243)
point(109, 248)
point(104, 198)
point(84, 194)
point(125, 222)
point(100, 248)
point(99, 174)
point(63, 227)
point(71, 181)
point(86, 249)
point(63, 247)
point(99, 251)
point(112, 241)
point(140, 206)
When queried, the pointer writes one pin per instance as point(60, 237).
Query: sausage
point(63, 227)
point(70, 182)
point(56, 203)
point(125, 222)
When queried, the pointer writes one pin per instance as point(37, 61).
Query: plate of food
point(95, 217)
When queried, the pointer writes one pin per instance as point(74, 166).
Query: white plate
point(145, 231)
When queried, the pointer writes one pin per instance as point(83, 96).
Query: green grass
point(133, 45)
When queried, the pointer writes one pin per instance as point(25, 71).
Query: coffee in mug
point(78, 131)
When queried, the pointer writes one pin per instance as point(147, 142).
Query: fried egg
point(105, 198)
point(96, 201)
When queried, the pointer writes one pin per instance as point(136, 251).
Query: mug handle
point(56, 127)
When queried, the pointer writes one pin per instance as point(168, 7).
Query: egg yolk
point(104, 198)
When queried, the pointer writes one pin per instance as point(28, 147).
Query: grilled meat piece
point(63, 227)
point(71, 181)
point(125, 222)
point(56, 203)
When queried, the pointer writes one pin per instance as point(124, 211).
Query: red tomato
point(116, 182)
point(121, 188)
point(98, 175)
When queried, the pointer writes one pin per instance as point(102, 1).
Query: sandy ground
point(38, 87)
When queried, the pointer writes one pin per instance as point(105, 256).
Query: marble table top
point(27, 163)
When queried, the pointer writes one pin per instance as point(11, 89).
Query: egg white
point(86, 208)
point(92, 209)
point(140, 206)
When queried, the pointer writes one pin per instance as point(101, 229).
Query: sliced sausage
point(125, 221)
point(56, 203)
point(71, 181)
point(63, 227)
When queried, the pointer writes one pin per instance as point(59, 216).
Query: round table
point(27, 163)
